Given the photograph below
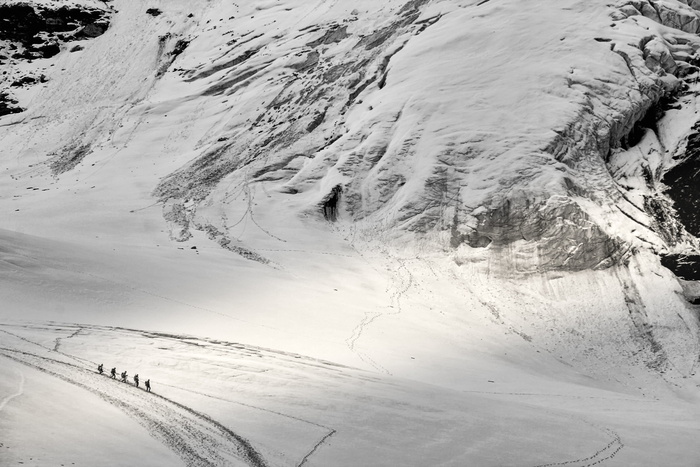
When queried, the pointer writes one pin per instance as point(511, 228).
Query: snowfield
point(222, 403)
point(487, 290)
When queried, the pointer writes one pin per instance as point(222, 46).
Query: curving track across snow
point(198, 440)
point(19, 392)
point(607, 452)
point(401, 282)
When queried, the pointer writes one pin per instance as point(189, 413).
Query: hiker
point(114, 373)
point(148, 385)
point(124, 375)
point(100, 369)
point(136, 380)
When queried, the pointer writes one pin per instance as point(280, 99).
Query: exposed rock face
point(657, 64)
point(8, 105)
point(683, 181)
point(565, 237)
point(667, 178)
point(686, 267)
point(31, 31)
point(40, 29)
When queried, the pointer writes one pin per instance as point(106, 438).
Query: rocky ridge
point(664, 189)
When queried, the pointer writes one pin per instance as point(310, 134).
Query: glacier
point(352, 233)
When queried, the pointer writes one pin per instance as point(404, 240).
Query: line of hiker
point(124, 378)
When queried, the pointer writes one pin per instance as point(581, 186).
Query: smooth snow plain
point(353, 345)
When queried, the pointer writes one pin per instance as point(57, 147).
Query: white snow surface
point(352, 343)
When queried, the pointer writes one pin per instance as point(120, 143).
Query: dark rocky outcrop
point(30, 32)
point(330, 203)
point(40, 30)
point(683, 182)
point(664, 219)
point(8, 105)
point(684, 266)
point(334, 34)
point(68, 157)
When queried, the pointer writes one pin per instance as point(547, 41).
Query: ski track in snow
point(331, 431)
point(318, 445)
point(199, 440)
point(608, 452)
point(401, 282)
point(19, 392)
point(139, 414)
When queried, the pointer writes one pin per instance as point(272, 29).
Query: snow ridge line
point(569, 396)
point(199, 440)
point(19, 392)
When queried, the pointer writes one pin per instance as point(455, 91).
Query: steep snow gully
point(429, 221)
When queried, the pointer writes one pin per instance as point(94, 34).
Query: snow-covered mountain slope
point(476, 219)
